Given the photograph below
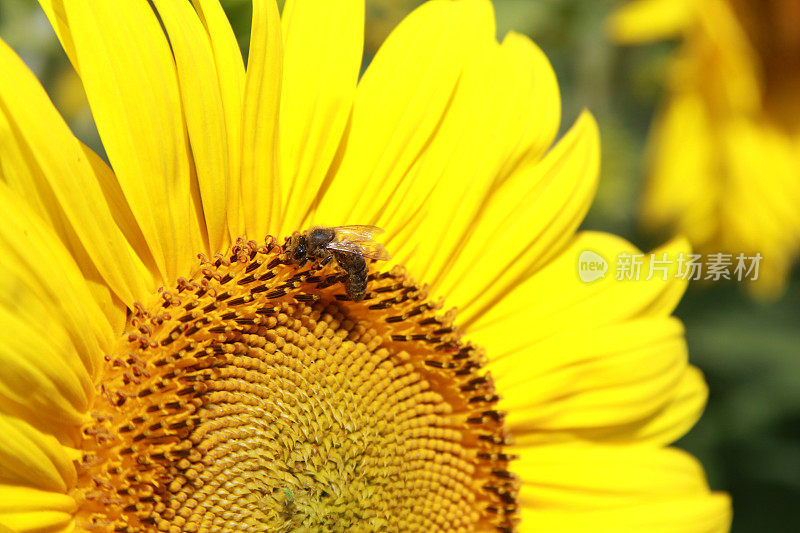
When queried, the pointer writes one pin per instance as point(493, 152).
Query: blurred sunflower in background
point(725, 150)
point(168, 365)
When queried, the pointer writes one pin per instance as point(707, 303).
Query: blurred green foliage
point(749, 437)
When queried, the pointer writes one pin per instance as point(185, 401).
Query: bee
point(351, 246)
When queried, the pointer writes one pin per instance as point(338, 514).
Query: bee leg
point(326, 261)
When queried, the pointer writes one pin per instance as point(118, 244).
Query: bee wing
point(369, 250)
point(357, 233)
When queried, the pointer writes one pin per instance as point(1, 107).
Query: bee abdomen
point(355, 267)
point(356, 286)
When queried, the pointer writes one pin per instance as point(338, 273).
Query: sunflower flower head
point(724, 162)
point(180, 351)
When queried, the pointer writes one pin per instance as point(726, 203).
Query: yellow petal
point(399, 105)
point(706, 514)
point(323, 43)
point(760, 214)
point(129, 76)
point(231, 76)
point(25, 509)
point(591, 383)
point(205, 116)
point(726, 68)
point(43, 381)
point(491, 128)
point(260, 184)
point(123, 216)
point(555, 300)
point(33, 459)
point(46, 164)
point(650, 20)
point(669, 199)
point(36, 267)
point(608, 488)
point(527, 221)
point(680, 413)
point(586, 477)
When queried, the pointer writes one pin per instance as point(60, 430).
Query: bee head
point(300, 248)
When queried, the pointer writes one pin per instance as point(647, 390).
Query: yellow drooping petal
point(556, 300)
point(44, 381)
point(323, 43)
point(528, 220)
point(129, 76)
point(231, 78)
point(204, 113)
point(568, 488)
point(399, 106)
point(585, 477)
point(36, 267)
point(591, 381)
point(47, 165)
point(650, 20)
point(597, 359)
point(23, 509)
point(260, 183)
point(710, 513)
point(679, 414)
point(33, 459)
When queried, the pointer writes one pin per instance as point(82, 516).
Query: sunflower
point(169, 365)
point(724, 162)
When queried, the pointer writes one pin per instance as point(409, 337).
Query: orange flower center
point(255, 396)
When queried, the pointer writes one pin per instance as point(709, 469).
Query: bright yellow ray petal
point(121, 211)
point(505, 113)
point(231, 76)
point(608, 488)
point(44, 162)
point(400, 102)
point(129, 77)
point(587, 477)
point(678, 415)
point(590, 382)
point(556, 300)
point(260, 185)
point(43, 381)
point(31, 458)
point(205, 116)
point(650, 20)
point(527, 221)
point(693, 514)
point(323, 43)
point(24, 509)
point(25, 177)
point(37, 266)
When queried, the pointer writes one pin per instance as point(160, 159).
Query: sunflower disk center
point(254, 396)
